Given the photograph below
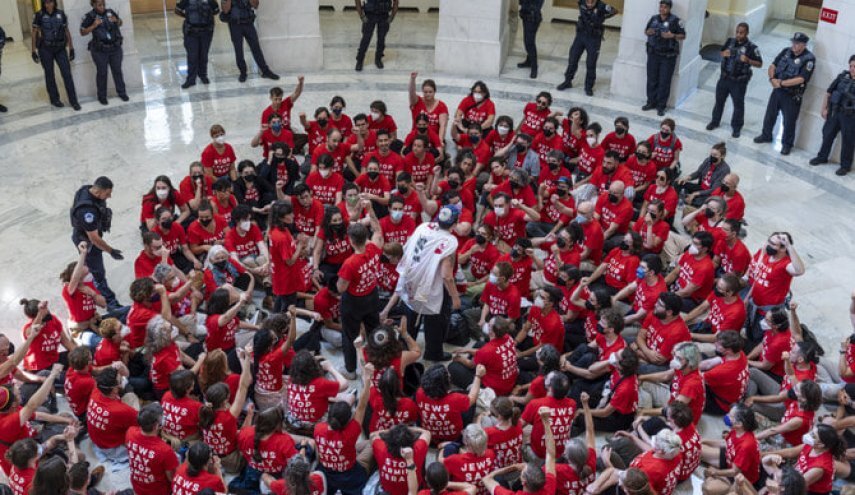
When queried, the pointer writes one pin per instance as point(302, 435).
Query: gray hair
point(475, 439)
point(668, 443)
point(213, 252)
point(690, 352)
point(158, 334)
point(161, 272)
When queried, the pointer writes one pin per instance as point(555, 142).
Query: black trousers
point(736, 91)
point(782, 101)
point(356, 311)
point(530, 27)
point(584, 43)
point(435, 327)
point(240, 32)
point(197, 43)
point(660, 70)
point(843, 123)
point(57, 55)
point(95, 263)
point(108, 57)
point(372, 21)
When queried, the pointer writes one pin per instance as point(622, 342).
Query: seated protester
point(660, 332)
point(800, 366)
point(223, 322)
point(735, 202)
point(500, 297)
point(518, 155)
point(206, 231)
point(815, 459)
point(337, 150)
point(185, 299)
point(610, 172)
point(218, 158)
point(389, 405)
point(325, 182)
point(181, 409)
point(592, 230)
point(419, 163)
point(643, 169)
point(269, 354)
point(731, 255)
point(223, 271)
point(546, 141)
point(503, 134)
point(562, 413)
point(9, 370)
point(195, 186)
point(543, 326)
point(344, 460)
point(309, 393)
point(470, 137)
point(593, 377)
point(556, 205)
point(332, 247)
point(666, 146)
point(245, 243)
point(162, 194)
point(43, 352)
point(287, 255)
point(480, 255)
point(677, 417)
point(316, 129)
point(443, 413)
point(508, 220)
point(26, 455)
point(352, 208)
point(524, 261)
point(590, 155)
point(693, 277)
point(223, 201)
point(265, 447)
point(548, 360)
point(620, 266)
point(218, 418)
point(365, 141)
point(152, 461)
point(280, 169)
point(798, 419)
point(389, 447)
point(699, 185)
point(663, 190)
point(724, 310)
point(662, 462)
point(591, 302)
point(535, 480)
point(274, 132)
point(564, 251)
point(471, 461)
point(455, 180)
point(766, 361)
point(498, 356)
point(436, 480)
point(576, 468)
point(499, 174)
point(108, 417)
point(112, 346)
point(374, 186)
point(296, 478)
point(709, 217)
point(614, 212)
point(254, 191)
point(175, 241)
point(518, 186)
point(620, 140)
point(327, 304)
point(215, 369)
point(391, 162)
point(82, 299)
point(387, 277)
point(390, 346)
point(616, 409)
point(652, 227)
point(725, 377)
point(553, 171)
point(421, 128)
point(79, 382)
point(15, 417)
point(737, 454)
point(152, 254)
point(397, 226)
point(505, 438)
point(682, 382)
point(645, 290)
point(535, 113)
point(202, 470)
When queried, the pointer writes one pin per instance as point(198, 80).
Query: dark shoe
point(533, 74)
point(785, 150)
point(841, 171)
point(3, 109)
point(187, 84)
point(102, 101)
point(76, 106)
point(817, 160)
point(96, 476)
point(57, 104)
point(589, 91)
point(736, 133)
point(660, 112)
point(565, 85)
point(524, 64)
point(711, 126)
point(359, 66)
point(267, 303)
point(762, 139)
point(124, 97)
point(204, 79)
point(242, 78)
point(270, 75)
point(378, 64)
point(648, 106)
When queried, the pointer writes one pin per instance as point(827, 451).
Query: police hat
point(800, 38)
point(666, 2)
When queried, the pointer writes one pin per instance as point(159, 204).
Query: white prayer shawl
point(420, 283)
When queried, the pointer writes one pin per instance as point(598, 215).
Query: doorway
point(808, 10)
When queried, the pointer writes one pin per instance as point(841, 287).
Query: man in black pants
point(240, 15)
point(531, 15)
point(2, 44)
point(49, 42)
point(106, 47)
point(738, 56)
point(589, 36)
point(379, 14)
point(198, 31)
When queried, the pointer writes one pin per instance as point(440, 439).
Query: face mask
point(503, 130)
point(728, 422)
point(592, 142)
point(322, 122)
point(249, 179)
point(205, 221)
point(337, 111)
point(474, 139)
point(480, 239)
point(154, 298)
point(548, 132)
point(197, 178)
point(220, 139)
point(693, 250)
point(764, 325)
point(403, 190)
point(713, 159)
point(325, 173)
point(337, 227)
point(620, 130)
point(522, 146)
point(499, 210)
point(220, 265)
point(665, 134)
point(422, 130)
point(373, 175)
point(494, 279)
point(161, 193)
point(600, 329)
point(126, 330)
point(807, 439)
point(640, 272)
point(375, 116)
point(478, 97)
point(538, 302)
point(725, 188)
point(166, 224)
point(623, 246)
point(352, 200)
point(613, 359)
point(771, 251)
point(561, 282)
point(516, 254)
point(454, 184)
point(561, 243)
point(589, 305)
point(245, 225)
point(561, 192)
point(397, 215)
point(581, 219)
point(709, 213)
point(675, 364)
point(614, 198)
point(277, 126)
point(641, 156)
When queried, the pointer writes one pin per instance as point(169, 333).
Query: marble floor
point(47, 153)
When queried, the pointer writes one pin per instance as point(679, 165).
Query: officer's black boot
point(358, 65)
point(3, 109)
point(533, 74)
point(378, 62)
point(567, 84)
point(525, 63)
point(188, 83)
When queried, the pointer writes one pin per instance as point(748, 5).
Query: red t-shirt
point(509, 227)
point(310, 402)
point(78, 388)
point(690, 452)
point(397, 232)
point(377, 187)
point(743, 452)
point(81, 307)
point(393, 470)
point(594, 240)
point(361, 270)
point(620, 213)
point(663, 337)
point(44, 351)
point(369, 144)
point(502, 302)
point(775, 344)
point(220, 337)
point(270, 369)
point(507, 444)
point(198, 235)
point(284, 112)
point(222, 435)
point(406, 412)
point(660, 230)
point(180, 416)
point(188, 190)
point(543, 145)
point(525, 194)
point(275, 451)
point(336, 249)
point(174, 239)
point(550, 214)
point(562, 415)
point(420, 108)
point(522, 271)
point(723, 316)
point(603, 181)
point(700, 272)
point(467, 467)
point(824, 461)
point(218, 163)
point(342, 123)
point(621, 268)
point(769, 279)
point(184, 484)
point(150, 204)
point(663, 150)
point(641, 174)
point(733, 259)
point(268, 138)
point(606, 349)
point(316, 482)
point(10, 432)
point(590, 159)
point(624, 393)
point(624, 146)
point(150, 459)
point(476, 112)
point(443, 418)
point(496, 141)
point(728, 381)
point(390, 164)
point(570, 256)
point(144, 265)
point(533, 119)
point(735, 204)
point(548, 488)
point(108, 419)
point(244, 246)
point(568, 482)
point(325, 189)
point(337, 449)
point(317, 134)
point(107, 352)
point(546, 329)
point(482, 262)
point(690, 385)
point(499, 356)
point(661, 473)
point(163, 363)
point(286, 279)
point(339, 156)
point(419, 169)
point(307, 220)
point(669, 198)
point(20, 480)
point(138, 318)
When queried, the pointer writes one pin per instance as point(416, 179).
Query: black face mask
point(221, 265)
point(600, 329)
point(665, 134)
point(589, 305)
point(725, 188)
point(561, 243)
point(641, 156)
point(373, 175)
point(453, 184)
point(713, 159)
point(166, 224)
point(515, 184)
point(771, 251)
point(620, 131)
point(480, 239)
point(384, 258)
point(614, 198)
point(197, 178)
point(623, 246)
point(521, 146)
point(516, 254)
point(791, 394)
point(205, 222)
point(717, 292)
point(422, 130)
point(709, 213)
point(322, 122)
point(608, 171)
point(561, 282)
point(48, 317)
point(249, 178)
point(554, 167)
point(561, 192)
point(403, 190)
point(292, 228)
point(548, 132)
point(339, 227)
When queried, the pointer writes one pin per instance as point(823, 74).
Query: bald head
point(731, 181)
point(585, 208)
point(617, 188)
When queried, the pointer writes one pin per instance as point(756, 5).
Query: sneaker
point(268, 74)
point(711, 126)
point(96, 476)
point(565, 85)
point(841, 171)
point(359, 66)
point(204, 79)
point(762, 139)
point(57, 104)
point(785, 150)
point(648, 106)
point(242, 77)
point(817, 160)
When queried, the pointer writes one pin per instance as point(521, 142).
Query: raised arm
point(480, 371)
point(38, 398)
point(244, 384)
point(367, 373)
point(411, 87)
point(549, 437)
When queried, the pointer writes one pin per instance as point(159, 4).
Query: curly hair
point(158, 335)
point(383, 346)
point(304, 368)
point(397, 438)
point(436, 382)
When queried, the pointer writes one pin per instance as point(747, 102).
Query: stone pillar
point(724, 15)
point(473, 37)
point(832, 45)
point(290, 34)
point(83, 68)
point(629, 71)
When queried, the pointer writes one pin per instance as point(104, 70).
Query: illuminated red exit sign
point(828, 15)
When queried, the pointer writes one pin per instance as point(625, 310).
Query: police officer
point(379, 13)
point(788, 75)
point(738, 56)
point(531, 15)
point(106, 47)
point(198, 32)
point(240, 14)
point(49, 41)
point(589, 37)
point(664, 32)
point(90, 218)
point(2, 44)
point(838, 110)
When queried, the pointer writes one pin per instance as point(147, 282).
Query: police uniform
point(2, 44)
point(733, 82)
point(241, 20)
point(106, 49)
point(531, 16)
point(841, 119)
point(376, 14)
point(88, 214)
point(589, 36)
point(787, 100)
point(198, 32)
point(51, 48)
point(661, 59)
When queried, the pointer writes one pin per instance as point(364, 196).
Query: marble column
point(473, 37)
point(83, 68)
point(290, 34)
point(832, 45)
point(724, 15)
point(629, 72)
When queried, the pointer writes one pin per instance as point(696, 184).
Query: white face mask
point(88, 277)
point(807, 439)
point(503, 130)
point(325, 173)
point(764, 325)
point(397, 215)
point(375, 116)
point(675, 364)
point(499, 211)
point(245, 225)
point(538, 302)
point(494, 279)
point(613, 360)
point(486, 329)
point(175, 283)
point(592, 141)
point(478, 97)
point(161, 193)
point(126, 330)
point(220, 139)
point(693, 250)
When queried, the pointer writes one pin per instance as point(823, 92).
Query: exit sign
point(828, 15)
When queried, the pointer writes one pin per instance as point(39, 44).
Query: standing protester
point(838, 110)
point(240, 16)
point(788, 75)
point(589, 37)
point(198, 31)
point(106, 47)
point(49, 41)
point(379, 14)
point(664, 33)
point(531, 15)
point(738, 56)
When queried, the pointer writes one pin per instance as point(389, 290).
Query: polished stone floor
point(47, 153)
